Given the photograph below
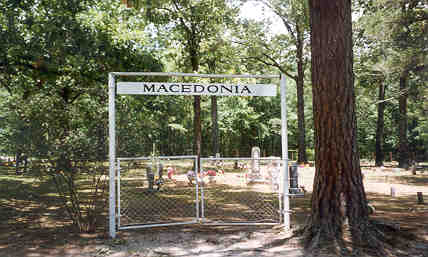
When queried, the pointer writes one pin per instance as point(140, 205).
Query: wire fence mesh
point(170, 190)
point(156, 191)
point(240, 190)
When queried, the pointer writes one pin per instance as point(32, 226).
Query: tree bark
point(403, 146)
point(214, 121)
point(193, 50)
point(214, 111)
point(380, 126)
point(300, 98)
point(197, 128)
point(338, 200)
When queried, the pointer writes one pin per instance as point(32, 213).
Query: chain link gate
point(156, 192)
point(166, 191)
point(241, 191)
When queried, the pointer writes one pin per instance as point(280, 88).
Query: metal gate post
point(202, 218)
point(284, 142)
point(118, 194)
point(197, 191)
point(112, 154)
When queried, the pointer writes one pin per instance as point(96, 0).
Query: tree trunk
point(214, 121)
point(194, 59)
point(300, 99)
point(197, 128)
point(403, 147)
point(214, 131)
point(338, 200)
point(380, 126)
point(18, 161)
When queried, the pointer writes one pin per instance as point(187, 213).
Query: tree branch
point(279, 66)
point(283, 18)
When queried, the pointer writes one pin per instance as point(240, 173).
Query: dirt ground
point(33, 234)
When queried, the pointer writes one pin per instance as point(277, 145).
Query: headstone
point(392, 192)
point(255, 155)
point(150, 177)
point(160, 170)
point(218, 163)
point(294, 183)
point(159, 182)
point(420, 198)
point(212, 162)
point(274, 167)
point(414, 168)
point(236, 164)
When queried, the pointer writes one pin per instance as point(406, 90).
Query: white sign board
point(156, 88)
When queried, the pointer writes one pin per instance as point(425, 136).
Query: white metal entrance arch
point(153, 88)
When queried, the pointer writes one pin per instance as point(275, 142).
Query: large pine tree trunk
point(403, 146)
point(338, 199)
point(380, 126)
point(300, 99)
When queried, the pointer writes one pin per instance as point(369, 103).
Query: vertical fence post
point(197, 192)
point(118, 194)
point(112, 153)
point(284, 143)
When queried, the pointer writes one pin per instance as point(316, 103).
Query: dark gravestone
point(294, 176)
point(294, 179)
point(160, 170)
point(159, 182)
point(150, 176)
point(420, 198)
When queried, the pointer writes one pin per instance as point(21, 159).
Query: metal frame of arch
point(113, 90)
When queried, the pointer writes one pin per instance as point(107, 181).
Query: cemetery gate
point(138, 190)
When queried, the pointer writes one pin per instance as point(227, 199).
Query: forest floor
point(34, 234)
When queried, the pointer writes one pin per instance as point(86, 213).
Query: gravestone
point(255, 155)
point(420, 198)
point(392, 192)
point(294, 179)
point(274, 171)
point(159, 182)
point(294, 176)
point(218, 163)
point(150, 177)
point(236, 164)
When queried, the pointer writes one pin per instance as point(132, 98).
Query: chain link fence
point(241, 191)
point(156, 192)
point(165, 191)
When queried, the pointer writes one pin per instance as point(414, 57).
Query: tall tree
point(54, 66)
point(293, 60)
point(380, 124)
point(294, 16)
point(190, 23)
point(217, 57)
point(372, 73)
point(400, 27)
point(338, 200)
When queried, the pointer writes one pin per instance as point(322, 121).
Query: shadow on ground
point(34, 224)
